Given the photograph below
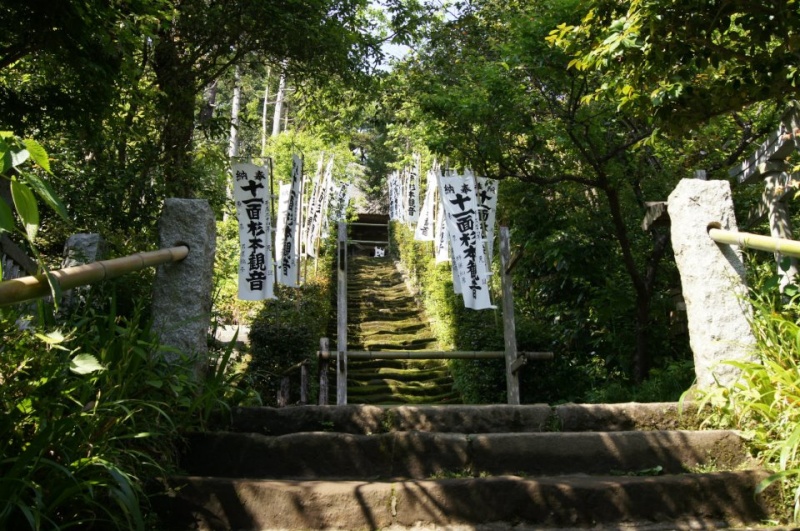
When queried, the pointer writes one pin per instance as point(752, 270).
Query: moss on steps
point(383, 315)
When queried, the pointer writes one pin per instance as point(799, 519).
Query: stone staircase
point(383, 315)
point(625, 466)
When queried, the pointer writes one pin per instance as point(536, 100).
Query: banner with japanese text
point(487, 210)
point(287, 237)
point(459, 197)
point(313, 205)
point(412, 192)
point(425, 225)
point(318, 209)
point(252, 198)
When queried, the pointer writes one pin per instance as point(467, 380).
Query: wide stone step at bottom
point(422, 455)
point(690, 501)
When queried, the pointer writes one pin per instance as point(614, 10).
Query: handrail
point(755, 241)
point(34, 287)
point(432, 355)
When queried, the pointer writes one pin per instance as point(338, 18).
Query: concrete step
point(691, 501)
point(423, 455)
point(360, 419)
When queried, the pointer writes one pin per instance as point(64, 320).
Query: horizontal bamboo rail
point(432, 355)
point(34, 287)
point(755, 241)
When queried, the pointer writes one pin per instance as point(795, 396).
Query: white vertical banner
point(487, 210)
point(287, 238)
point(252, 198)
point(412, 197)
point(425, 228)
point(463, 224)
point(313, 207)
point(442, 243)
point(320, 225)
point(340, 201)
point(391, 183)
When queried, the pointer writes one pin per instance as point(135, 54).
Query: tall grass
point(91, 419)
point(765, 400)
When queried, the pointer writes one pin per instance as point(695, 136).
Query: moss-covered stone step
point(395, 399)
point(381, 327)
point(406, 364)
point(398, 344)
point(399, 373)
point(382, 314)
point(433, 382)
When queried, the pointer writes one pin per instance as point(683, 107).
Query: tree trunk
point(177, 82)
point(264, 116)
point(276, 117)
point(209, 102)
point(233, 147)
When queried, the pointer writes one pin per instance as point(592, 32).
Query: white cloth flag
point(313, 206)
point(287, 238)
point(325, 218)
point(412, 197)
point(318, 209)
point(391, 183)
point(487, 204)
point(252, 198)
point(340, 201)
point(425, 228)
point(463, 224)
point(442, 242)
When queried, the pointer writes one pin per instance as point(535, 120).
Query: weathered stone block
point(713, 279)
point(182, 291)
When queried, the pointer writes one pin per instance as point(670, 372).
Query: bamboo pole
point(34, 287)
point(434, 355)
point(341, 312)
point(755, 241)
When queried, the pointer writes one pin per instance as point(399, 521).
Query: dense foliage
point(287, 330)
point(92, 417)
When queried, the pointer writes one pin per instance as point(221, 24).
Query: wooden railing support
point(341, 321)
point(513, 362)
point(324, 363)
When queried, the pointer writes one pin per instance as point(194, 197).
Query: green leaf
point(6, 217)
point(5, 155)
point(38, 153)
point(52, 338)
point(26, 206)
point(85, 364)
point(44, 191)
point(19, 157)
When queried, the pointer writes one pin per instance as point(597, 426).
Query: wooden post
point(341, 312)
point(509, 329)
point(779, 223)
point(283, 392)
point(323, 370)
point(304, 383)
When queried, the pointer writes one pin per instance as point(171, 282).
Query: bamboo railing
point(755, 241)
point(34, 287)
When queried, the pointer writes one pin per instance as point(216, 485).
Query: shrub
point(92, 415)
point(287, 330)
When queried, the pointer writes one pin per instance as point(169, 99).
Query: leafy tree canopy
point(685, 61)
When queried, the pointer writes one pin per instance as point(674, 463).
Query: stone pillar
point(182, 290)
point(82, 248)
point(713, 280)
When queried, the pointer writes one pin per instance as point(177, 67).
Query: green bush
point(287, 330)
point(92, 415)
